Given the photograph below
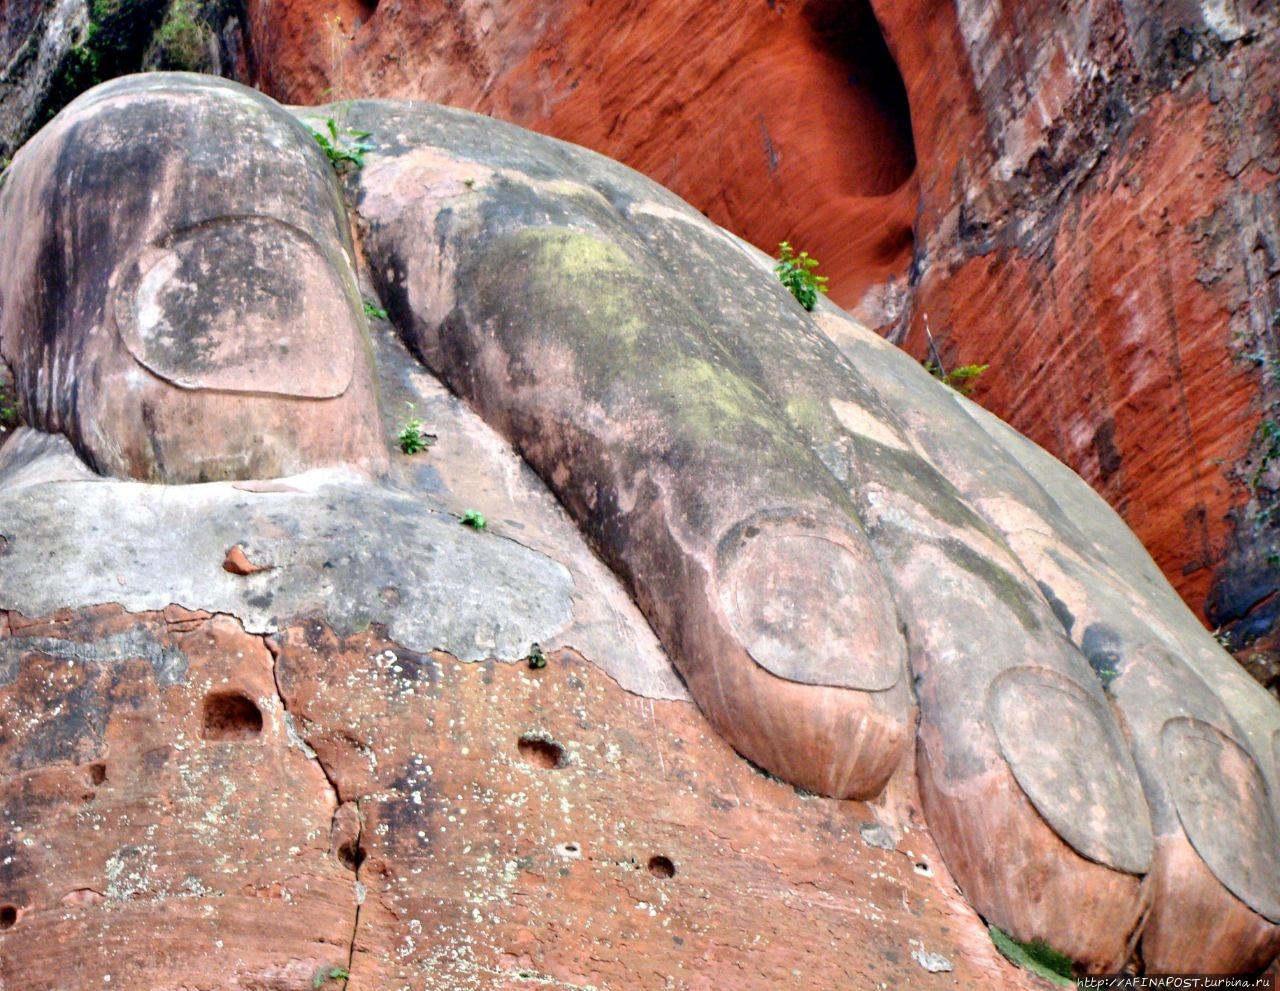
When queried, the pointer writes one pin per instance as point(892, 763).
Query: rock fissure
point(297, 734)
point(488, 802)
point(346, 838)
point(359, 893)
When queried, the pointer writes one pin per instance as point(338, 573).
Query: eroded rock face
point(208, 808)
point(780, 121)
point(728, 459)
point(176, 326)
point(1087, 195)
point(1097, 220)
point(830, 545)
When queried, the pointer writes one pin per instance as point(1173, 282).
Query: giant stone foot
point(843, 558)
point(795, 517)
point(182, 314)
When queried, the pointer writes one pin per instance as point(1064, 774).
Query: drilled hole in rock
point(231, 716)
point(97, 774)
point(662, 867)
point(351, 855)
point(541, 752)
point(8, 916)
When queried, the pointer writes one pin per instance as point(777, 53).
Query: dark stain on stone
point(1104, 446)
point(1059, 607)
point(1101, 647)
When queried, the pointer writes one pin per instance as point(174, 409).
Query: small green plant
point(338, 149)
point(328, 974)
point(1106, 671)
point(1036, 956)
point(469, 183)
point(474, 519)
point(373, 311)
point(536, 658)
point(182, 42)
point(1268, 438)
point(962, 379)
point(412, 437)
point(796, 273)
point(8, 411)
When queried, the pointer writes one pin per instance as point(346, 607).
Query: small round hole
point(351, 855)
point(662, 867)
point(8, 916)
point(541, 752)
point(231, 716)
point(97, 774)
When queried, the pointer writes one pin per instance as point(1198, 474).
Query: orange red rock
point(1079, 196)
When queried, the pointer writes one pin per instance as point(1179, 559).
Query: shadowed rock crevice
point(848, 31)
point(230, 716)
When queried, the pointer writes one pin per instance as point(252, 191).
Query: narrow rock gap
point(296, 736)
point(357, 855)
point(360, 891)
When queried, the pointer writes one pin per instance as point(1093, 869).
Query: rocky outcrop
point(760, 479)
point(1092, 190)
point(780, 121)
point(1098, 198)
point(53, 50)
point(208, 808)
point(1101, 177)
point(696, 433)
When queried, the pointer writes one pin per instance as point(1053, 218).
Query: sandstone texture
point(1098, 198)
point(1081, 195)
point(168, 276)
point(780, 121)
point(724, 524)
point(206, 808)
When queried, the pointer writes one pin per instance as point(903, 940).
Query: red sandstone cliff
point(778, 122)
point(1081, 195)
point(1097, 221)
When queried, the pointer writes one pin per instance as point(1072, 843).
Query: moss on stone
point(181, 43)
point(636, 342)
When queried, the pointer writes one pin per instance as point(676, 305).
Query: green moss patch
point(1037, 956)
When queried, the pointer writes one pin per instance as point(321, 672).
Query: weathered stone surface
point(158, 834)
point(36, 37)
point(796, 506)
point(1103, 177)
point(160, 829)
point(1041, 163)
point(51, 51)
point(211, 275)
point(781, 121)
point(642, 399)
